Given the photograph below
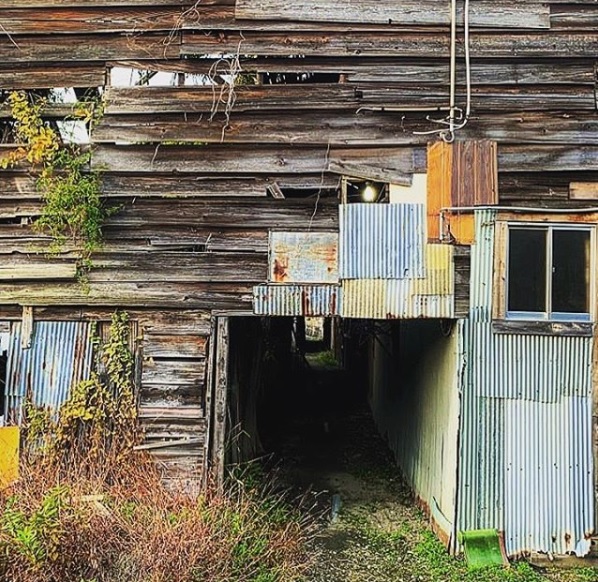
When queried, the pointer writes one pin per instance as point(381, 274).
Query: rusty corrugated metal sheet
point(288, 300)
point(59, 357)
point(431, 296)
point(381, 241)
point(303, 257)
point(526, 444)
point(392, 299)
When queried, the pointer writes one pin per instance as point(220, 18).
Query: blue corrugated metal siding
point(59, 357)
point(382, 241)
point(526, 443)
point(288, 300)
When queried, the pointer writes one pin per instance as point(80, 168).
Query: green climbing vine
point(99, 420)
point(73, 209)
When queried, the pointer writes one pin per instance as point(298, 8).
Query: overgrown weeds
point(88, 507)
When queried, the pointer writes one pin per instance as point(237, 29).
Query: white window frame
point(549, 315)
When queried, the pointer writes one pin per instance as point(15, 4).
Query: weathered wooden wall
point(190, 177)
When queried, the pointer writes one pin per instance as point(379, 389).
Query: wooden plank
point(499, 282)
point(178, 186)
point(384, 44)
point(414, 12)
point(209, 159)
point(184, 322)
point(552, 328)
point(209, 267)
point(171, 396)
point(174, 346)
point(89, 20)
point(391, 70)
point(241, 214)
point(547, 158)
point(37, 269)
point(339, 128)
point(44, 75)
point(92, 3)
point(132, 295)
point(189, 100)
point(81, 47)
point(583, 191)
point(219, 426)
point(177, 372)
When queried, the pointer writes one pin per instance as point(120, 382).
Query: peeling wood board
point(414, 12)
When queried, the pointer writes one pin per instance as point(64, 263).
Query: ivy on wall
point(72, 209)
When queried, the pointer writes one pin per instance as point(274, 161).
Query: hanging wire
point(455, 113)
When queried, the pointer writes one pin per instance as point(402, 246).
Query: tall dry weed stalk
point(89, 508)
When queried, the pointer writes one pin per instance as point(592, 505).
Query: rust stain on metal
point(279, 272)
point(303, 257)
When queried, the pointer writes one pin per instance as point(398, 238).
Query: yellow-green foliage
point(38, 142)
point(73, 209)
point(99, 419)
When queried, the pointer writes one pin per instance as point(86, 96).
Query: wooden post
point(220, 399)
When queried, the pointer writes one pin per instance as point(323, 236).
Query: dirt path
point(379, 534)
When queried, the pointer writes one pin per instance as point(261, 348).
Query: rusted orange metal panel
point(440, 161)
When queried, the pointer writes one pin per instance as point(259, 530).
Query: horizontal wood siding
point(190, 170)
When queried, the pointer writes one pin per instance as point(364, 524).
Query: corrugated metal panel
point(482, 266)
point(439, 276)
point(381, 241)
point(303, 257)
point(59, 357)
point(548, 475)
point(526, 443)
point(418, 413)
point(540, 368)
point(431, 296)
point(391, 299)
point(307, 300)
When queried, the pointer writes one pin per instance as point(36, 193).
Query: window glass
point(570, 261)
point(549, 272)
point(527, 270)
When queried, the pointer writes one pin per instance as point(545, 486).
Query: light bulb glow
point(369, 193)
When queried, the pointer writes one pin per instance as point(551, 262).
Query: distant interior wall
point(414, 398)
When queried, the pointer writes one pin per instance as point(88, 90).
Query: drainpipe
point(453, 72)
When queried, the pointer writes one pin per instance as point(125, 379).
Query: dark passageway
point(302, 406)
